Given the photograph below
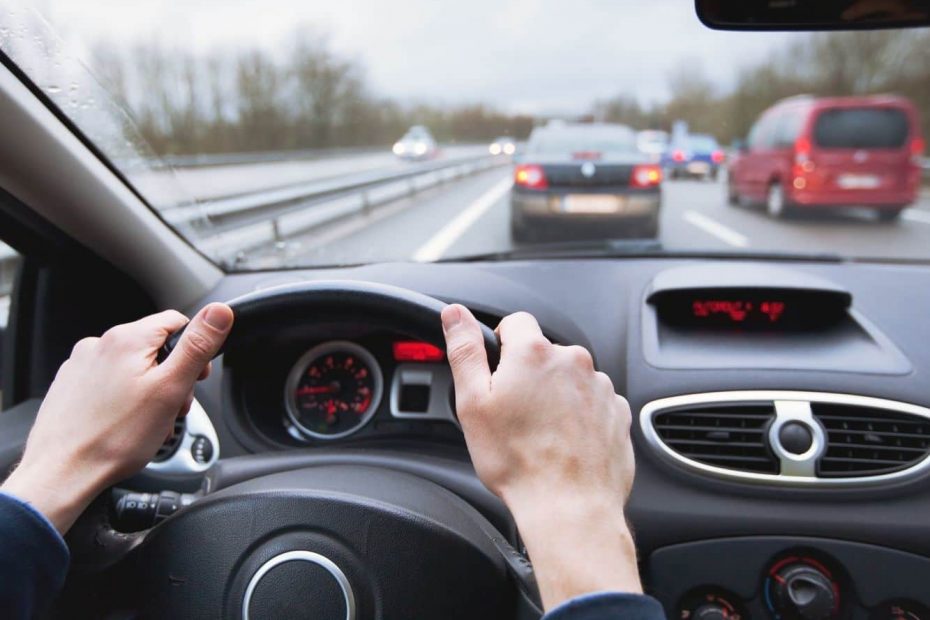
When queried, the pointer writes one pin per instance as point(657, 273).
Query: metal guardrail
point(206, 160)
point(257, 157)
point(228, 228)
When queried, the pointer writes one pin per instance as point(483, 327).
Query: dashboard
point(780, 410)
point(341, 384)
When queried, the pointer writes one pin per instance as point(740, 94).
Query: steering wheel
point(336, 541)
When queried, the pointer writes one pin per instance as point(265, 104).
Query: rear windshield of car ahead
point(861, 128)
point(566, 143)
point(702, 144)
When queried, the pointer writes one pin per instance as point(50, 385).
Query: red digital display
point(738, 310)
point(413, 351)
point(746, 310)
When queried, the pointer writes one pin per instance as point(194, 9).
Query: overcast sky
point(549, 56)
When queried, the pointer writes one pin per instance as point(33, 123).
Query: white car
point(417, 143)
point(503, 145)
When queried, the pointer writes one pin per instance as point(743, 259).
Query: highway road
point(471, 216)
point(167, 187)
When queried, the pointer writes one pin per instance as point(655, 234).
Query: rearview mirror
point(812, 14)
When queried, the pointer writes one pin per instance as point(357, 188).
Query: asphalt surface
point(471, 216)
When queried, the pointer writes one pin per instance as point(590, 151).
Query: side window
point(788, 128)
point(752, 140)
point(760, 136)
point(9, 262)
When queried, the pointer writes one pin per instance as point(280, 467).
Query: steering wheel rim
point(406, 311)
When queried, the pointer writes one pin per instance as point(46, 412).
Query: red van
point(806, 152)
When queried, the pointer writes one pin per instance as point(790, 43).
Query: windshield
point(704, 144)
point(284, 134)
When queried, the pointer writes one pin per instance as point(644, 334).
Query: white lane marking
point(708, 225)
point(916, 216)
point(438, 244)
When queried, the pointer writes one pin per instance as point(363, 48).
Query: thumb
point(199, 343)
point(467, 357)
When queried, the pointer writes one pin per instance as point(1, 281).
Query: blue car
point(694, 156)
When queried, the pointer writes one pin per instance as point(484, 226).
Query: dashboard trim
point(438, 378)
point(779, 398)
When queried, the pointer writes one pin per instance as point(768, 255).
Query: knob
point(711, 611)
point(710, 604)
point(804, 592)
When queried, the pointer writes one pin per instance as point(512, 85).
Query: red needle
point(316, 389)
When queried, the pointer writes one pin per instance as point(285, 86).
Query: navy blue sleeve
point(608, 605)
point(33, 560)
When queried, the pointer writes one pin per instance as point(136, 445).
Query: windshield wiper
point(630, 248)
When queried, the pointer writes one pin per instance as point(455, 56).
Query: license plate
point(858, 181)
point(698, 167)
point(596, 203)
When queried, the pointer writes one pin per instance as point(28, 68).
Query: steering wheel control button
point(134, 512)
point(202, 449)
point(299, 584)
point(795, 437)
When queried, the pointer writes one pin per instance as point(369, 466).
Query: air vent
point(869, 441)
point(729, 435)
point(171, 445)
point(791, 438)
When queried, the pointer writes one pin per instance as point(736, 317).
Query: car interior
point(780, 402)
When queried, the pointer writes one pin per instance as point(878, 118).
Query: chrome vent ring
point(790, 438)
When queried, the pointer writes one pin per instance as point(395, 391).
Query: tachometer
point(333, 390)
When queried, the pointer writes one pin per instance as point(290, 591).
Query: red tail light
point(917, 149)
point(586, 155)
point(802, 150)
point(717, 157)
point(645, 176)
point(678, 155)
point(530, 176)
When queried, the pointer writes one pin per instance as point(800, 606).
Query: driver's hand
point(547, 434)
point(110, 408)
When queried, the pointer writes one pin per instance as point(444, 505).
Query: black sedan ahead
point(584, 181)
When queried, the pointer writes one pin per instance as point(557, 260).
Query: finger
point(579, 355)
point(156, 327)
point(186, 407)
point(467, 356)
point(146, 334)
point(201, 341)
point(205, 372)
point(519, 331)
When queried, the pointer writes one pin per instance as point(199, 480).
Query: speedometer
point(333, 390)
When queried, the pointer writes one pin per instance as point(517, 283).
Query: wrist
point(60, 490)
point(579, 543)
